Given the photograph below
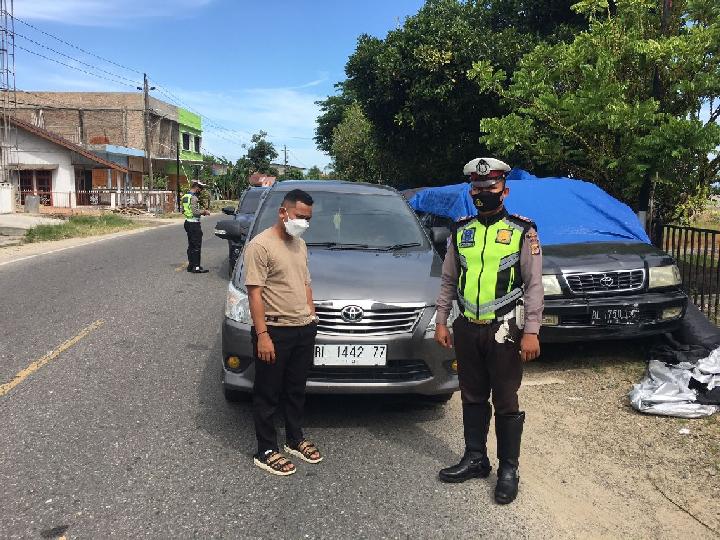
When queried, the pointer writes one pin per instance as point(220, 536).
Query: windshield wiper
point(338, 245)
point(401, 246)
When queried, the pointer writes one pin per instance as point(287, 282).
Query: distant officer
point(493, 267)
point(192, 212)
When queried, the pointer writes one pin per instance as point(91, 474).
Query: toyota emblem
point(606, 281)
point(352, 313)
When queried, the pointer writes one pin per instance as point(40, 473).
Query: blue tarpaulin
point(566, 210)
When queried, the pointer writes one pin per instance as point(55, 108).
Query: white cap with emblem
point(486, 171)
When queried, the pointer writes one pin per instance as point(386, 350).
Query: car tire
point(236, 396)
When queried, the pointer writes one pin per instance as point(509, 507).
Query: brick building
point(111, 124)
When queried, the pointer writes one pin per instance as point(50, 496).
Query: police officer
point(493, 268)
point(192, 212)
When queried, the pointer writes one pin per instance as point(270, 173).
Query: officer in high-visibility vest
point(192, 212)
point(493, 268)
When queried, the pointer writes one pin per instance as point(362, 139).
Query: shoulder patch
point(523, 218)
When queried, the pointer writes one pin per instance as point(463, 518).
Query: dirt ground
point(622, 473)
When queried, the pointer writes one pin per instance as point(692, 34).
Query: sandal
point(275, 463)
point(305, 451)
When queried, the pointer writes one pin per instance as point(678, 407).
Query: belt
point(484, 322)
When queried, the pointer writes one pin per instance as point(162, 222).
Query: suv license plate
point(614, 316)
point(350, 355)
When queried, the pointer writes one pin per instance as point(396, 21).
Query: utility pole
point(148, 154)
point(177, 176)
point(285, 163)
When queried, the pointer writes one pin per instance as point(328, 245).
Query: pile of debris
point(683, 374)
point(130, 211)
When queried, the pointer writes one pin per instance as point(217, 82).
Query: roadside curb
point(21, 252)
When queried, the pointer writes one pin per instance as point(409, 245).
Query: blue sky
point(246, 65)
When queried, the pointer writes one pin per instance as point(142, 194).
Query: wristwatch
point(316, 319)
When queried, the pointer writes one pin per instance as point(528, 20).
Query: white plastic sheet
point(665, 389)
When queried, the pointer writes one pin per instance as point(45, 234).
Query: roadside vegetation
point(79, 226)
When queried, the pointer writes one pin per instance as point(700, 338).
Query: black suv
point(243, 215)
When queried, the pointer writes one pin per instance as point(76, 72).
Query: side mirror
point(231, 230)
point(439, 235)
point(229, 210)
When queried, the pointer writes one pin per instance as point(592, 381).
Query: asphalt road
point(125, 433)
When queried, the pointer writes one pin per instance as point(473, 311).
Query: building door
point(43, 181)
point(26, 185)
point(83, 186)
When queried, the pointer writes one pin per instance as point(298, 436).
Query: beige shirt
point(530, 269)
point(280, 267)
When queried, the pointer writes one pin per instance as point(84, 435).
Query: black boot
point(508, 429)
point(475, 463)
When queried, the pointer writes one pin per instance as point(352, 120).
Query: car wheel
point(236, 396)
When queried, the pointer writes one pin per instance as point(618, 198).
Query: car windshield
point(353, 220)
point(250, 201)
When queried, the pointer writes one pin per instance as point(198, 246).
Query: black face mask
point(487, 201)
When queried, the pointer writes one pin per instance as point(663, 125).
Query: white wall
point(7, 201)
point(37, 153)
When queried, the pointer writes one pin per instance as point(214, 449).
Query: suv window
point(250, 201)
point(377, 221)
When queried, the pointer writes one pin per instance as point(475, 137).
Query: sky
point(244, 65)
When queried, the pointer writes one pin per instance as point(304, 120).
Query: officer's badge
point(467, 239)
point(534, 242)
point(504, 236)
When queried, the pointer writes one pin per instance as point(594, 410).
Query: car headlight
point(454, 314)
point(664, 276)
point(551, 285)
point(237, 305)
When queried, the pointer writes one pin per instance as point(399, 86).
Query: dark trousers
point(194, 234)
point(282, 384)
point(486, 367)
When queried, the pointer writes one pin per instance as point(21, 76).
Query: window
point(197, 144)
point(186, 141)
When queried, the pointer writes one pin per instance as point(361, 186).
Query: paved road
point(126, 434)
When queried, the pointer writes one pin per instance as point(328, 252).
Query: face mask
point(487, 201)
point(296, 227)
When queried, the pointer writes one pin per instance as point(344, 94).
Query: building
point(111, 124)
point(281, 168)
point(57, 170)
point(259, 179)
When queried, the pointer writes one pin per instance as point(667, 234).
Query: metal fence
point(153, 201)
point(697, 254)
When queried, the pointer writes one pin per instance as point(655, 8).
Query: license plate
point(350, 355)
point(614, 316)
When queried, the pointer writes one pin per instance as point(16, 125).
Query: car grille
point(374, 322)
point(394, 371)
point(602, 282)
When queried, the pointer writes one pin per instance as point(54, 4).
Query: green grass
point(79, 226)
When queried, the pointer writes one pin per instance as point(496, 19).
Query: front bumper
point(416, 364)
point(574, 316)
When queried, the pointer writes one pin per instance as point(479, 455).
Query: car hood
point(401, 276)
point(601, 257)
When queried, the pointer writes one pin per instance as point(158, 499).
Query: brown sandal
point(305, 451)
point(275, 463)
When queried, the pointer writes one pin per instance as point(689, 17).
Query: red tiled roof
point(57, 139)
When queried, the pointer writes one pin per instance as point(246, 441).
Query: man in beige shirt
point(284, 328)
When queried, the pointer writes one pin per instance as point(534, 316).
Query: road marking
point(37, 364)
point(103, 239)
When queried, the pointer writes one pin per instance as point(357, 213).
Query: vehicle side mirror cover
point(440, 235)
point(229, 210)
point(231, 230)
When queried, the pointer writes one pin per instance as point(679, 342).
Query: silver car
point(375, 277)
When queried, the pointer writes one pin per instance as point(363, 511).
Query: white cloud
point(287, 114)
point(103, 12)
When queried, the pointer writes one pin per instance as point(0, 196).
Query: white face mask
point(296, 227)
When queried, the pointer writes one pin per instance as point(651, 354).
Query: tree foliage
point(261, 154)
point(413, 89)
point(625, 99)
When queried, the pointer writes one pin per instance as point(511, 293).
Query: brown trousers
point(487, 367)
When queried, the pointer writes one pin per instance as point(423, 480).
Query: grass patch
point(78, 226)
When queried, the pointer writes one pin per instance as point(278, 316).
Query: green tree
point(292, 173)
point(354, 148)
point(627, 98)
point(261, 154)
point(413, 88)
point(314, 173)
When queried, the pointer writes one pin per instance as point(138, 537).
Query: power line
point(76, 59)
point(72, 45)
point(74, 67)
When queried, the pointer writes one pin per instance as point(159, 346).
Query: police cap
point(485, 171)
